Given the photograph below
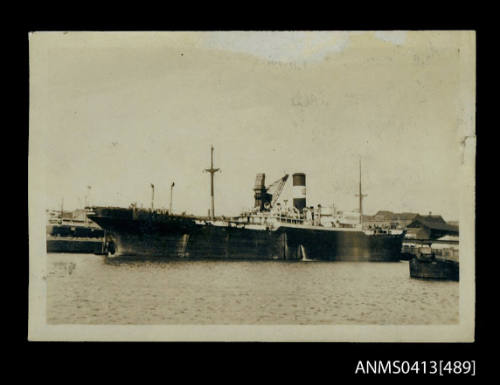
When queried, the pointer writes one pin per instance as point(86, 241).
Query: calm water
point(85, 289)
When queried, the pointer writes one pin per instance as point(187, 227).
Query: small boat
point(426, 265)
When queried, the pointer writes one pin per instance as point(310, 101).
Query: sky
point(119, 111)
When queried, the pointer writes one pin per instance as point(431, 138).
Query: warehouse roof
point(433, 222)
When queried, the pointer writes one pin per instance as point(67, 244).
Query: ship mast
point(86, 205)
point(212, 171)
point(62, 210)
point(361, 196)
point(171, 193)
point(152, 197)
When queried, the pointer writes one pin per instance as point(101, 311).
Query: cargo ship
point(268, 231)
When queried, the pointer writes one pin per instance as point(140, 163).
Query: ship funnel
point(299, 191)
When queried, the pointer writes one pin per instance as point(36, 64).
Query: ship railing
point(270, 218)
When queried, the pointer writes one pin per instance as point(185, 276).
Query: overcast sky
point(119, 111)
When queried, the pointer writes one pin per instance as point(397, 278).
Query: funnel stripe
point(299, 191)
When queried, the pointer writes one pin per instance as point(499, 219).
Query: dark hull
point(343, 245)
point(436, 269)
point(176, 237)
point(69, 245)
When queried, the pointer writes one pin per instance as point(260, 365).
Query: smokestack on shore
point(299, 191)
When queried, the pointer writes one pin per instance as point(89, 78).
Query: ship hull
point(184, 238)
point(435, 269)
point(143, 238)
point(343, 245)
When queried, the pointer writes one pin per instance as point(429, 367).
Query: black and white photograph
point(252, 186)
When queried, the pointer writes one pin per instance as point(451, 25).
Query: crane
point(276, 188)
